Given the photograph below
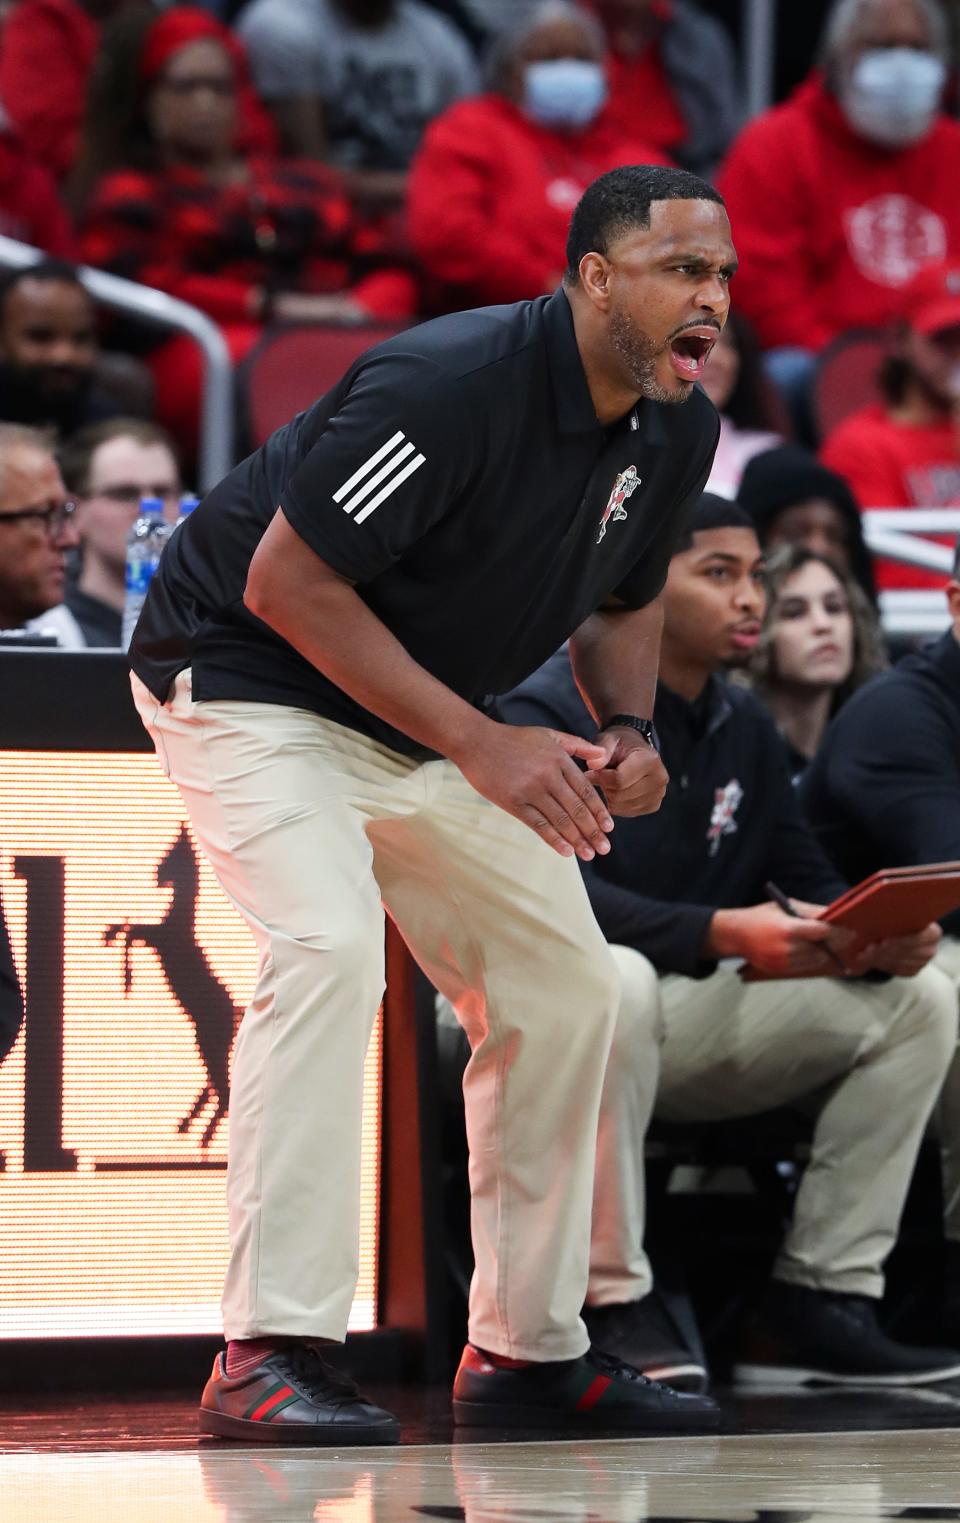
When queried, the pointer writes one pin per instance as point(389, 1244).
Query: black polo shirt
point(459, 477)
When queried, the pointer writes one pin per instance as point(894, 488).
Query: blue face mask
point(564, 92)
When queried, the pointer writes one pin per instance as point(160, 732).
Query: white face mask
point(893, 95)
point(564, 92)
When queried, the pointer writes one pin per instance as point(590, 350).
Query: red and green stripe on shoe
point(293, 1396)
point(594, 1392)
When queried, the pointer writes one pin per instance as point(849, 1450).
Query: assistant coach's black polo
point(458, 475)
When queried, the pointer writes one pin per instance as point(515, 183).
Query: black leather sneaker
point(593, 1392)
point(292, 1397)
point(821, 1337)
point(644, 1334)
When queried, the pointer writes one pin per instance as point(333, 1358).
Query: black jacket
point(729, 822)
point(884, 789)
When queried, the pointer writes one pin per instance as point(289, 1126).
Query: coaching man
point(315, 662)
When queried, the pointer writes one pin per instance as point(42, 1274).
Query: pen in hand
point(780, 898)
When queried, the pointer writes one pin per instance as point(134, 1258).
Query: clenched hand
point(632, 776)
point(530, 772)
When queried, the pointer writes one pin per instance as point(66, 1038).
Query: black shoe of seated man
point(592, 1393)
point(644, 1334)
point(292, 1397)
point(820, 1337)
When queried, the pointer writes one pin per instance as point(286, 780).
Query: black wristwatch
point(645, 727)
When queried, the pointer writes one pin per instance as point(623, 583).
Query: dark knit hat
point(786, 476)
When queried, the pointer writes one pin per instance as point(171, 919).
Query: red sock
point(244, 1354)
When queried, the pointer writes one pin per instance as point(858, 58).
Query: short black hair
point(712, 512)
point(620, 200)
point(60, 270)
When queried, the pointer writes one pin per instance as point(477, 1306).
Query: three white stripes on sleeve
point(393, 473)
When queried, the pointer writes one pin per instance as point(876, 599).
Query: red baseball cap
point(931, 300)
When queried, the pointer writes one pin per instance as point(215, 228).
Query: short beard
point(639, 355)
point(31, 400)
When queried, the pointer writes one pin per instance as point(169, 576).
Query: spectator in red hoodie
point(45, 62)
point(246, 239)
point(673, 78)
point(904, 452)
point(842, 193)
point(30, 207)
point(497, 177)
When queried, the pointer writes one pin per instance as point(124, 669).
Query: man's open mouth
point(690, 351)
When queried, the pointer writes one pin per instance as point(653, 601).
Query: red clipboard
point(897, 901)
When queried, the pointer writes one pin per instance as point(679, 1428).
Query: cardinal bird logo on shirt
point(624, 486)
point(726, 802)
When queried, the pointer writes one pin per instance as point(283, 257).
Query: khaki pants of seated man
point(869, 1059)
point(309, 826)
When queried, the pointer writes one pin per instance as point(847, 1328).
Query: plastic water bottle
point(145, 544)
point(188, 502)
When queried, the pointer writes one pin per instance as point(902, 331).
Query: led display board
point(113, 1132)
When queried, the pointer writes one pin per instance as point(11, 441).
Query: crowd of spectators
point(339, 162)
point(498, 175)
point(904, 449)
point(343, 162)
point(843, 192)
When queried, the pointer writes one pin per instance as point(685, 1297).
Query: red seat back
point(846, 377)
point(291, 367)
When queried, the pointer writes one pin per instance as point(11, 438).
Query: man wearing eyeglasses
point(108, 467)
point(36, 531)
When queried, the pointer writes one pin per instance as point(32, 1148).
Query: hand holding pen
point(789, 908)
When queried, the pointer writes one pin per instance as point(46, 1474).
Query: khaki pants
point(307, 825)
point(870, 1059)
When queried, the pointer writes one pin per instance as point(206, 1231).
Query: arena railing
point(215, 456)
point(898, 534)
point(759, 33)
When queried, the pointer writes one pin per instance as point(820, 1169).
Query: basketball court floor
point(823, 1457)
